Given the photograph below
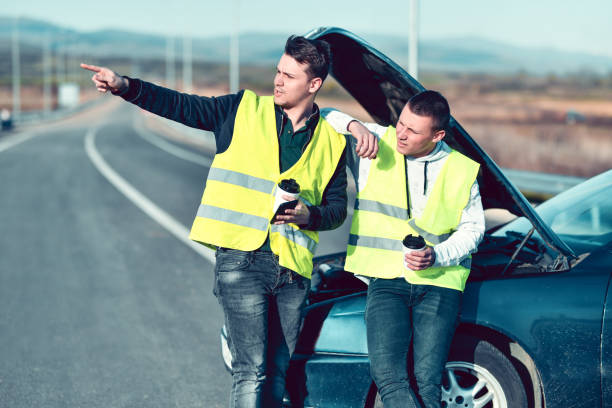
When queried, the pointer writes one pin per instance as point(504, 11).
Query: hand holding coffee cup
point(286, 188)
point(417, 255)
point(289, 209)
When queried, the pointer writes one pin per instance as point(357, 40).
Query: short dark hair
point(314, 53)
point(432, 104)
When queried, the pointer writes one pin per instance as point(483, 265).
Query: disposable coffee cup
point(288, 187)
point(412, 243)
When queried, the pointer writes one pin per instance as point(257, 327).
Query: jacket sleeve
point(200, 112)
point(332, 211)
point(470, 231)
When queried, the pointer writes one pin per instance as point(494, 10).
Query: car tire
point(472, 360)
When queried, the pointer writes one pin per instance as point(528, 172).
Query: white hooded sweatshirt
point(421, 175)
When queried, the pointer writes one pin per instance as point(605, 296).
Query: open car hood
point(382, 87)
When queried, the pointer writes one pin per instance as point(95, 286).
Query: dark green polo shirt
point(291, 144)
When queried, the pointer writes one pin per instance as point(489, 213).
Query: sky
point(566, 25)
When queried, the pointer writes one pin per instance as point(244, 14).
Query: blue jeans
point(397, 313)
point(262, 303)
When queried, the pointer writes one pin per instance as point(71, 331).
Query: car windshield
point(580, 216)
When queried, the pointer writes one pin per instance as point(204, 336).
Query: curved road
point(103, 300)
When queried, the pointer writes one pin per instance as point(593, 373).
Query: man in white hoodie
point(416, 185)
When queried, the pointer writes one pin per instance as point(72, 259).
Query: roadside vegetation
point(553, 123)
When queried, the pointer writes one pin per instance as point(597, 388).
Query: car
point(535, 328)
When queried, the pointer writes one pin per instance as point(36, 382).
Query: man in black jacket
point(262, 299)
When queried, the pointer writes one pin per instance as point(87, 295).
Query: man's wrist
point(133, 91)
point(435, 262)
point(314, 219)
point(348, 127)
point(125, 86)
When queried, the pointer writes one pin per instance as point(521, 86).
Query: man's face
point(415, 134)
point(292, 84)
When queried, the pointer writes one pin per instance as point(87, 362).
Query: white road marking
point(14, 140)
point(141, 201)
point(169, 147)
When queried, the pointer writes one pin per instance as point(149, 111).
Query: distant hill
point(470, 54)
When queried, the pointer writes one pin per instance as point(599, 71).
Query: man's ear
point(439, 135)
point(315, 85)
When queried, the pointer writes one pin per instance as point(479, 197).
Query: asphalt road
point(103, 301)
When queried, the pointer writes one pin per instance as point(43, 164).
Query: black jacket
point(217, 114)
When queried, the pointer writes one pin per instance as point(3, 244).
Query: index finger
point(93, 68)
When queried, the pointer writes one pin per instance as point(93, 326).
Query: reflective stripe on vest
point(377, 206)
point(233, 217)
point(296, 236)
point(389, 245)
point(433, 238)
point(241, 179)
point(380, 220)
point(375, 242)
point(237, 204)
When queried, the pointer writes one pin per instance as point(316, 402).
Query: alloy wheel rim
point(468, 385)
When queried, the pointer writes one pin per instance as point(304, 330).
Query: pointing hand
point(106, 80)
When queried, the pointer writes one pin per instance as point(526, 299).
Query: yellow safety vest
point(237, 204)
point(380, 219)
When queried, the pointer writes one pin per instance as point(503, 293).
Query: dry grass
point(532, 133)
point(577, 150)
point(32, 97)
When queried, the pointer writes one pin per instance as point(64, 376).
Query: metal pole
point(58, 65)
point(46, 74)
point(187, 65)
point(74, 69)
point(71, 67)
point(234, 51)
point(170, 74)
point(16, 72)
point(413, 57)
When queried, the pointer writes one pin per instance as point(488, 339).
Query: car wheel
point(478, 375)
